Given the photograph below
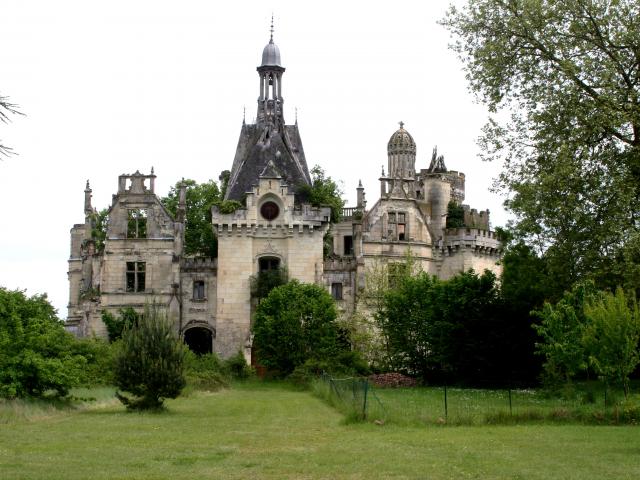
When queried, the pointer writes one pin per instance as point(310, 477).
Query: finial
point(296, 115)
point(383, 170)
point(360, 184)
point(152, 170)
point(87, 187)
point(271, 39)
point(401, 123)
point(244, 113)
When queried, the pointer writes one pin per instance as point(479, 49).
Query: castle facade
point(209, 300)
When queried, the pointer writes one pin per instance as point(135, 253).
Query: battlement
point(471, 238)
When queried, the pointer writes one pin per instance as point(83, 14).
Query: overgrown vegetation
point(264, 281)
point(126, 319)
point(455, 215)
point(323, 192)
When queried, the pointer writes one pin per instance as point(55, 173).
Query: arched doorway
point(199, 340)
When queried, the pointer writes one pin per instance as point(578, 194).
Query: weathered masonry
point(209, 300)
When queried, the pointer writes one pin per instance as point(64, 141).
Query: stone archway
point(199, 340)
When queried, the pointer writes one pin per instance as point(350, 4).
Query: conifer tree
point(150, 364)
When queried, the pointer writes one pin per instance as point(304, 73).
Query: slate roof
point(259, 144)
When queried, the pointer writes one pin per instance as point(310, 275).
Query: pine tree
point(150, 364)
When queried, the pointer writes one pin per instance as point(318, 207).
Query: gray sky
point(113, 87)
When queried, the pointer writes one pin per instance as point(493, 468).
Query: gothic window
point(336, 291)
point(198, 290)
point(135, 276)
point(348, 245)
point(136, 223)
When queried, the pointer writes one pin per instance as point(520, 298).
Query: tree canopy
point(562, 80)
point(37, 356)
point(199, 238)
point(294, 324)
point(323, 192)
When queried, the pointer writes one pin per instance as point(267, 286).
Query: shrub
point(150, 364)
point(37, 356)
point(238, 367)
point(205, 372)
point(295, 323)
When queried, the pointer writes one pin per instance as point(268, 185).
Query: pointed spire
point(296, 115)
point(244, 114)
point(271, 39)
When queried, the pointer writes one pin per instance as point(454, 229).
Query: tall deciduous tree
point(564, 81)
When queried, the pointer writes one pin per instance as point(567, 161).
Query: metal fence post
point(364, 405)
point(446, 408)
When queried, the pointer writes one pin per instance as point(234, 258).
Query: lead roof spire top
point(271, 29)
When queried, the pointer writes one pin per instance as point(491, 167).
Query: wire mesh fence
point(359, 399)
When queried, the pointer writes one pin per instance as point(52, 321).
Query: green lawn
point(270, 431)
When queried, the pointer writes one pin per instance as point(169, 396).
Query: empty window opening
point(269, 263)
point(198, 290)
point(136, 223)
point(199, 340)
point(336, 291)
point(136, 276)
point(348, 245)
point(397, 226)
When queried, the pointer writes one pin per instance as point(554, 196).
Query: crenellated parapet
point(474, 239)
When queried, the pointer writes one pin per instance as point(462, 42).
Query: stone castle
point(209, 300)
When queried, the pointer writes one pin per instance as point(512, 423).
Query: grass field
point(271, 431)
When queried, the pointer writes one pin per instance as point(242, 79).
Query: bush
point(296, 323)
point(150, 364)
point(100, 357)
point(37, 356)
point(205, 372)
point(237, 367)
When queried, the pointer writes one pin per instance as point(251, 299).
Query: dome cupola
point(401, 152)
point(401, 142)
point(271, 55)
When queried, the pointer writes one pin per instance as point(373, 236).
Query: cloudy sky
point(113, 87)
